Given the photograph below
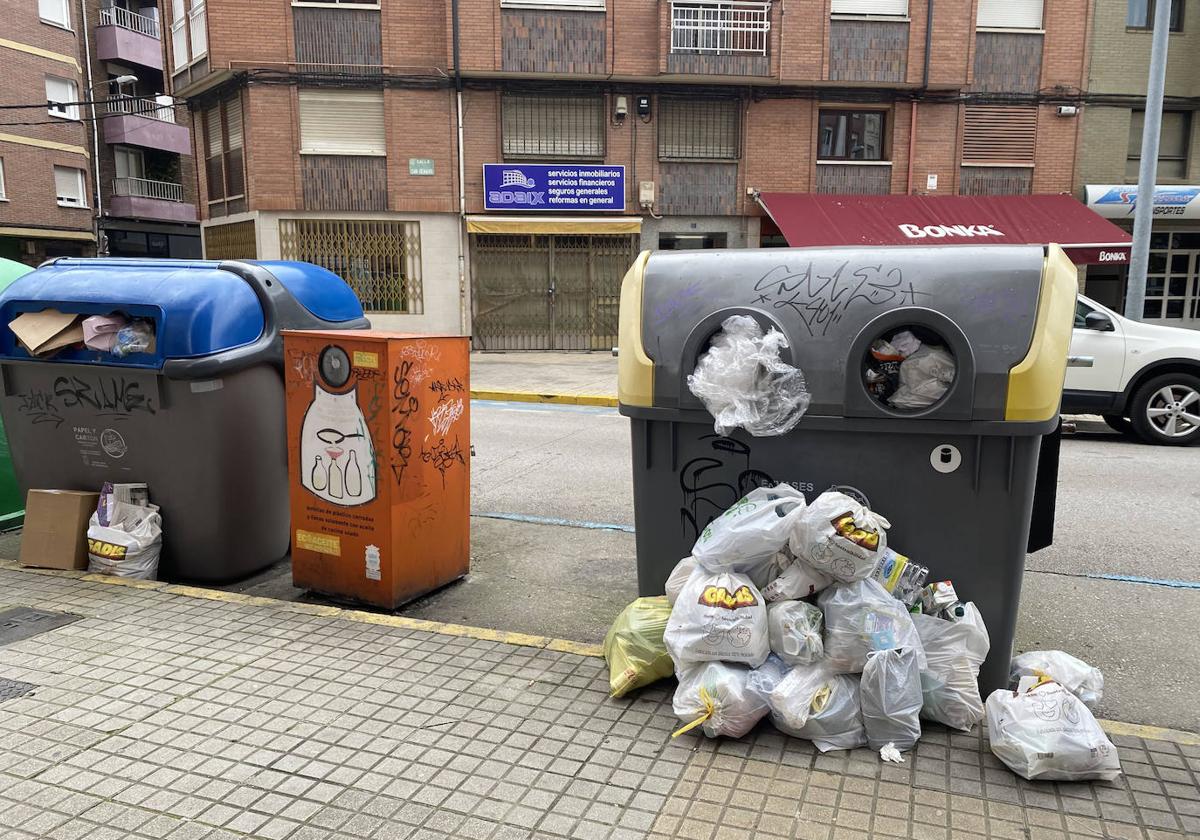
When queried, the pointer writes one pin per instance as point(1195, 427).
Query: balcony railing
point(145, 188)
point(142, 106)
point(721, 27)
point(116, 16)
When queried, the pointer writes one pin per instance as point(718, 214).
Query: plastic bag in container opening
point(925, 376)
point(765, 677)
point(833, 714)
point(718, 616)
point(634, 647)
point(794, 629)
point(678, 578)
point(954, 652)
point(1076, 676)
point(715, 697)
point(751, 532)
point(744, 384)
point(797, 580)
point(891, 698)
point(136, 337)
point(130, 545)
point(1045, 732)
point(838, 536)
point(861, 617)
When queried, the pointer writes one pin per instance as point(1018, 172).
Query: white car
point(1144, 379)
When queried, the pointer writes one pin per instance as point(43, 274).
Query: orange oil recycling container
point(379, 463)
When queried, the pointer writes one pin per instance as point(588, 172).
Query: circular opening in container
point(909, 368)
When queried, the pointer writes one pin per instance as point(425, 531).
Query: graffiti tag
point(444, 457)
point(39, 407)
point(114, 395)
point(444, 415)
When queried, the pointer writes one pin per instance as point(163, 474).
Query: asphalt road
point(1125, 511)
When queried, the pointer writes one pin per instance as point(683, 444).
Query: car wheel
point(1120, 424)
point(1166, 410)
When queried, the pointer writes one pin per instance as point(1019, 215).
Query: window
point(1009, 14)
point(720, 27)
point(130, 163)
point(380, 260)
point(690, 241)
point(179, 45)
point(1141, 15)
point(223, 140)
point(553, 126)
point(69, 186)
point(345, 4)
point(61, 96)
point(3, 193)
point(699, 129)
point(897, 8)
point(574, 5)
point(999, 135)
point(1172, 145)
point(342, 122)
point(851, 135)
point(55, 11)
point(189, 32)
point(1172, 281)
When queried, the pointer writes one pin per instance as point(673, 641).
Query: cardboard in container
point(46, 331)
point(56, 523)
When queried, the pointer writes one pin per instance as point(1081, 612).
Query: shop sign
point(553, 187)
point(1115, 201)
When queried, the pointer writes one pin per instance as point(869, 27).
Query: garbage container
point(955, 478)
point(199, 417)
point(12, 500)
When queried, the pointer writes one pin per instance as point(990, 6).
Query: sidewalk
point(169, 712)
point(579, 378)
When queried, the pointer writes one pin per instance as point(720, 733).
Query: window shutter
point(698, 129)
point(553, 126)
point(213, 136)
point(233, 123)
point(999, 135)
point(1010, 14)
point(579, 5)
point(68, 184)
point(870, 7)
point(342, 122)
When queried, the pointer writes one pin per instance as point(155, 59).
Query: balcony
point(141, 198)
point(148, 122)
point(720, 37)
point(128, 37)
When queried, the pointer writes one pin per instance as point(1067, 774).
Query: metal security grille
point(999, 134)
point(720, 26)
point(543, 292)
point(381, 260)
point(230, 242)
point(699, 129)
point(553, 126)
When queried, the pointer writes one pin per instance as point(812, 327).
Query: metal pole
point(1135, 286)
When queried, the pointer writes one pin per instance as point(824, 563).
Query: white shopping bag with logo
point(129, 546)
point(751, 531)
point(718, 617)
point(839, 536)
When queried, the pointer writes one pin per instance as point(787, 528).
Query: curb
point(554, 399)
point(1112, 727)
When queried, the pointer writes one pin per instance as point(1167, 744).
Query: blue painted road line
point(531, 406)
point(550, 520)
point(1174, 584)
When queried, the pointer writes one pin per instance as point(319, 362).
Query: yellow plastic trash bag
point(634, 646)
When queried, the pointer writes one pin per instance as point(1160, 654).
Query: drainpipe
point(464, 323)
point(912, 120)
point(87, 75)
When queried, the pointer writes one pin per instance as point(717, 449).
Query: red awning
point(807, 219)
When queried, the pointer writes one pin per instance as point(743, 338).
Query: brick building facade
point(328, 130)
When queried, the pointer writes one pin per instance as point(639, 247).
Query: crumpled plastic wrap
point(1076, 676)
point(744, 384)
point(715, 696)
point(634, 647)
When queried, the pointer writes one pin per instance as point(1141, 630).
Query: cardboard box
point(56, 523)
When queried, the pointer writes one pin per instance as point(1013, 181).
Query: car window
point(1081, 313)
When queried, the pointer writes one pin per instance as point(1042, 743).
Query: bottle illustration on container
point(353, 475)
point(335, 480)
point(320, 474)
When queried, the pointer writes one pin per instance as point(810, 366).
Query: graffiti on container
point(365, 374)
point(444, 457)
point(446, 388)
point(421, 352)
point(113, 396)
point(304, 363)
point(39, 407)
point(422, 519)
point(406, 405)
point(712, 484)
point(665, 310)
point(822, 299)
point(444, 415)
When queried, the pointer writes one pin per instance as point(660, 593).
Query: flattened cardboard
point(36, 330)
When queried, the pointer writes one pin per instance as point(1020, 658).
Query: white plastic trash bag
point(797, 580)
point(763, 679)
point(861, 617)
point(718, 616)
point(925, 376)
point(954, 652)
point(794, 694)
point(744, 384)
point(1075, 675)
point(715, 696)
point(794, 629)
point(129, 546)
point(751, 532)
point(1045, 732)
point(678, 578)
point(891, 698)
point(832, 718)
point(840, 537)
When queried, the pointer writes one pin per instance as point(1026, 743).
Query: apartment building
point(46, 188)
point(591, 129)
point(1110, 154)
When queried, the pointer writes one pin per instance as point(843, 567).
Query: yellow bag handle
point(709, 708)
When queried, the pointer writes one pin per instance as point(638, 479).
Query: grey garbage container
point(956, 479)
point(199, 418)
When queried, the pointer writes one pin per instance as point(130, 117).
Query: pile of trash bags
point(802, 614)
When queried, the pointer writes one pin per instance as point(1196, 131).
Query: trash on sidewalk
point(679, 578)
point(1043, 731)
point(797, 580)
point(900, 576)
point(718, 616)
point(891, 698)
point(1076, 676)
point(129, 545)
point(821, 706)
point(715, 695)
point(634, 647)
point(861, 617)
point(888, 752)
point(839, 536)
point(954, 652)
point(751, 532)
point(794, 630)
point(744, 383)
point(55, 531)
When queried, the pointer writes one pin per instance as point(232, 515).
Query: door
point(1096, 361)
point(547, 292)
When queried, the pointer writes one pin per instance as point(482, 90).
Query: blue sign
point(554, 187)
point(1171, 201)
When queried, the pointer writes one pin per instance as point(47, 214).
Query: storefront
point(1173, 271)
